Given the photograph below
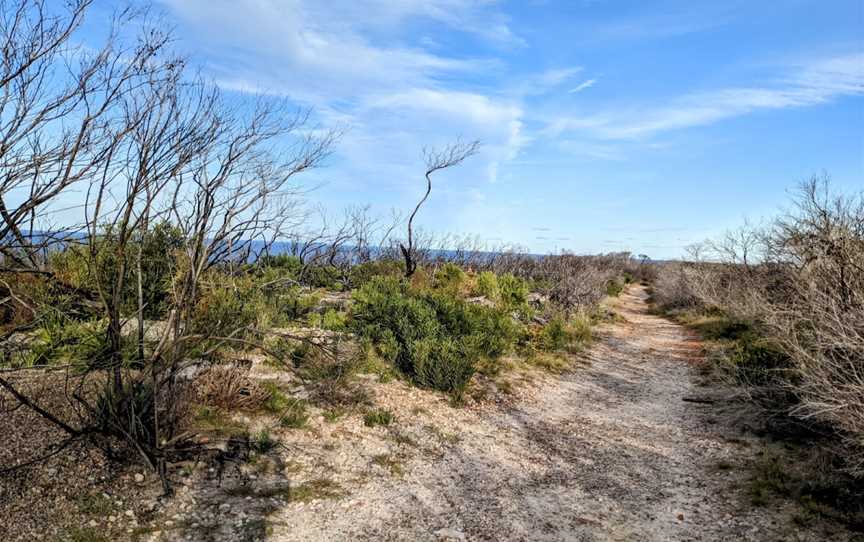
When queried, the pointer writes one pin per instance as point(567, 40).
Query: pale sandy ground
point(608, 452)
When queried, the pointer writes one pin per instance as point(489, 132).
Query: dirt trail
point(609, 452)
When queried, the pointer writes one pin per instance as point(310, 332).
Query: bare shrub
point(230, 387)
point(799, 283)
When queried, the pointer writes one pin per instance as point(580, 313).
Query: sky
point(605, 124)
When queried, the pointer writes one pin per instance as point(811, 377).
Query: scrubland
point(191, 349)
point(782, 306)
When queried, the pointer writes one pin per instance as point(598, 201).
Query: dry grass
point(230, 387)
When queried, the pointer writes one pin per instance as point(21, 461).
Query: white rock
point(450, 534)
point(139, 478)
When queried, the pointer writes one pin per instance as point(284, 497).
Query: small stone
point(112, 519)
point(139, 478)
point(680, 517)
point(93, 523)
point(450, 534)
point(130, 513)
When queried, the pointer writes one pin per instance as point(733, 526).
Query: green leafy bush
point(158, 245)
point(434, 337)
point(486, 284)
point(334, 320)
point(231, 306)
point(322, 276)
point(758, 362)
point(563, 334)
point(289, 265)
point(450, 277)
point(82, 345)
point(378, 417)
point(262, 442)
point(364, 272)
point(614, 288)
point(514, 291)
point(442, 363)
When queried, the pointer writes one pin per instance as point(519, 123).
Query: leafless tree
point(436, 160)
point(150, 144)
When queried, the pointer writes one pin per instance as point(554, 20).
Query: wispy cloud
point(556, 76)
point(809, 84)
point(344, 58)
point(582, 86)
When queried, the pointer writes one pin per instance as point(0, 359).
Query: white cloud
point(582, 86)
point(351, 62)
point(810, 84)
point(554, 77)
point(440, 113)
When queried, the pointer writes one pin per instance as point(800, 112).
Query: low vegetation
point(783, 303)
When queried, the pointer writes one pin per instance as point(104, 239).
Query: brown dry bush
point(797, 283)
point(230, 387)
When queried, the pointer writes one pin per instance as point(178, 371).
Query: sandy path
point(609, 452)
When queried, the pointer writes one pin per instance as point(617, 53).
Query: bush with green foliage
point(756, 361)
point(434, 337)
point(362, 273)
point(565, 334)
point(378, 417)
point(514, 291)
point(614, 288)
point(486, 284)
point(227, 307)
point(82, 345)
point(449, 277)
point(334, 320)
point(289, 265)
point(322, 276)
point(78, 268)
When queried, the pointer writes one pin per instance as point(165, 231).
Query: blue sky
point(605, 124)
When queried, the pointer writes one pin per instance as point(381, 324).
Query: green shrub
point(128, 412)
point(228, 304)
point(334, 320)
point(757, 362)
point(262, 442)
point(450, 276)
point(289, 266)
point(378, 417)
point(364, 272)
point(322, 276)
point(514, 291)
point(293, 305)
point(314, 319)
point(62, 341)
point(291, 411)
point(486, 285)
point(294, 415)
point(614, 288)
point(158, 245)
point(563, 334)
point(434, 337)
point(442, 364)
